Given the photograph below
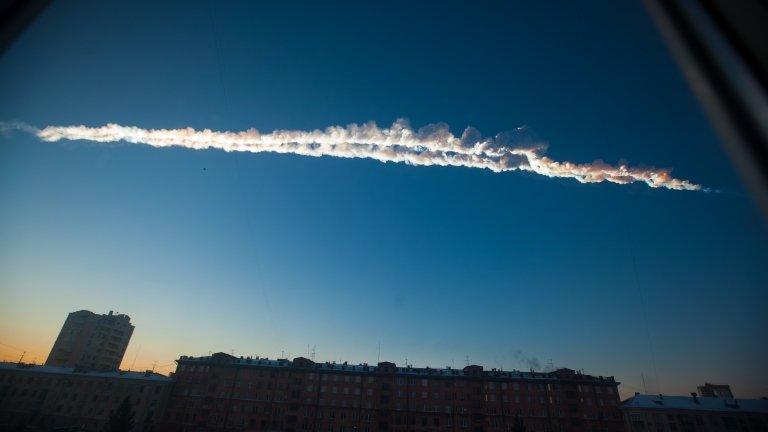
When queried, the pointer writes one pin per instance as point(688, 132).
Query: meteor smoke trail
point(428, 146)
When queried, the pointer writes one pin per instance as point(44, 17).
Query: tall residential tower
point(92, 341)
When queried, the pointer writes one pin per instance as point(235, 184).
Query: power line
point(645, 317)
point(239, 178)
point(643, 302)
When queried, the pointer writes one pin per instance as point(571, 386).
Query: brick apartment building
point(663, 413)
point(43, 398)
point(222, 392)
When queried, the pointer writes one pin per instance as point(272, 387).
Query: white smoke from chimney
point(432, 145)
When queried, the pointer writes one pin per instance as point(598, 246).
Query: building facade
point(222, 392)
point(91, 341)
point(662, 413)
point(44, 398)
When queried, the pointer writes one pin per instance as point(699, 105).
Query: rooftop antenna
point(467, 360)
point(645, 389)
point(378, 358)
point(550, 365)
point(153, 366)
point(313, 352)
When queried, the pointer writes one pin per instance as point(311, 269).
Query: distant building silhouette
point(716, 390)
point(90, 341)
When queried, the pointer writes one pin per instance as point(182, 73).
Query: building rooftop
point(110, 315)
point(58, 370)
point(697, 403)
point(473, 370)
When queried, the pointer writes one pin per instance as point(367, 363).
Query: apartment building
point(91, 341)
point(38, 397)
point(663, 413)
point(222, 392)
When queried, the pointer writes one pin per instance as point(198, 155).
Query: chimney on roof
point(110, 312)
point(695, 398)
point(661, 396)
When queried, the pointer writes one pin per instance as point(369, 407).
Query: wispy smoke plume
point(5, 127)
point(532, 363)
point(428, 146)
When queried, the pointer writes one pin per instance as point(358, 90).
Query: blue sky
point(266, 253)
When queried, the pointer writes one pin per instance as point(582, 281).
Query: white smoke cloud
point(432, 145)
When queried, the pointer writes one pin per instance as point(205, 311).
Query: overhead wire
point(253, 249)
point(642, 299)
